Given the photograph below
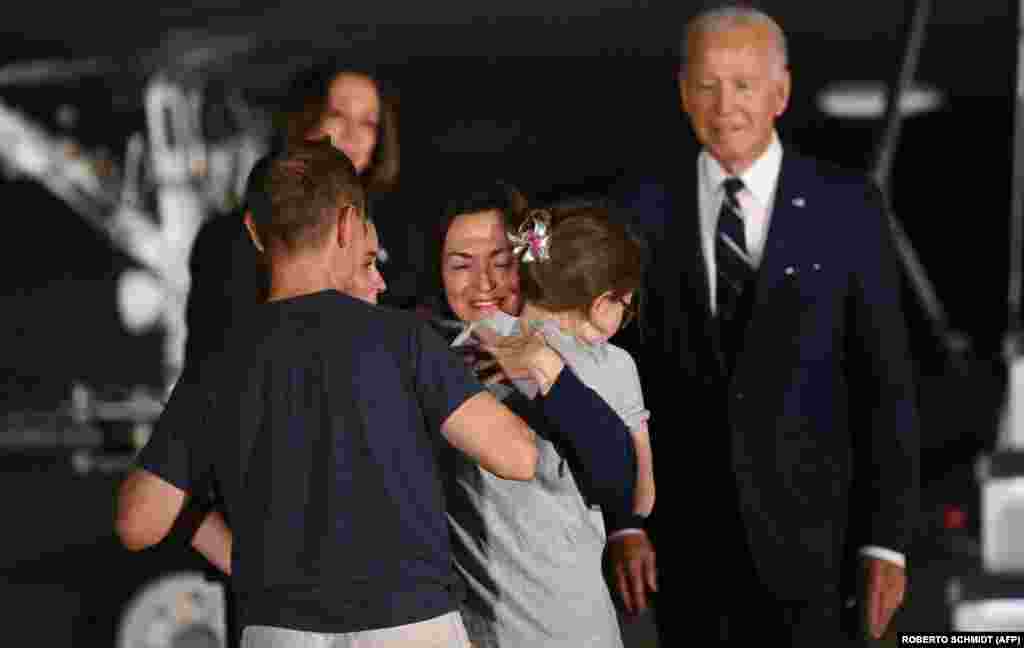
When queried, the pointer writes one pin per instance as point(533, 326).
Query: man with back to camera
point(317, 425)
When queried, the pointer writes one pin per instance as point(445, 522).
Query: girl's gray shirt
point(530, 552)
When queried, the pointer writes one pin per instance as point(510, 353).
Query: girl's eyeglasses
point(628, 310)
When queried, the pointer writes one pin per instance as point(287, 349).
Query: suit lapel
point(785, 227)
point(681, 277)
point(785, 232)
point(688, 280)
point(685, 243)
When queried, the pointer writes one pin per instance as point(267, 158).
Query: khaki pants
point(445, 631)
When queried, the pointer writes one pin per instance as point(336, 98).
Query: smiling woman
point(356, 111)
point(472, 255)
point(531, 553)
point(478, 268)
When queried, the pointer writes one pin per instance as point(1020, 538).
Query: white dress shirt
point(756, 200)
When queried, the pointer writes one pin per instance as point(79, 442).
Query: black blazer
point(820, 407)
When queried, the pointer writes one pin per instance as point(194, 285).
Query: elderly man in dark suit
point(774, 296)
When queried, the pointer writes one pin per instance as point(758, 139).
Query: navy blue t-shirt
point(319, 425)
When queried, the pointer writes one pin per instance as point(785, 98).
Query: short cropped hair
point(293, 196)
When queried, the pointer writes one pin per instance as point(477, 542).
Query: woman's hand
point(525, 356)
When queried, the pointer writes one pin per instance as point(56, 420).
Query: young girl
point(579, 272)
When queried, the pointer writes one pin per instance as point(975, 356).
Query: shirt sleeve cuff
point(622, 521)
point(882, 553)
point(624, 532)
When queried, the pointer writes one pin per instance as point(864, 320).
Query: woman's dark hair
point(589, 252)
point(496, 195)
point(308, 96)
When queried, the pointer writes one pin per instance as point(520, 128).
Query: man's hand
point(632, 561)
point(885, 584)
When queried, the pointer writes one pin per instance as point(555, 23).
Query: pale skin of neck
point(312, 271)
point(292, 276)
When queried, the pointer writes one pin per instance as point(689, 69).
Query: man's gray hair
point(726, 16)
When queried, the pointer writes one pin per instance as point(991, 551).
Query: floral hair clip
point(533, 238)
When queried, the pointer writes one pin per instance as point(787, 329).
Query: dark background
point(554, 96)
point(550, 95)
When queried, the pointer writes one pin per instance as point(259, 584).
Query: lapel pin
point(799, 202)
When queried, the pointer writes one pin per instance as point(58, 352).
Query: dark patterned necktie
point(734, 267)
point(735, 270)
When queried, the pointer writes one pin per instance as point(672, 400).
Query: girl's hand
point(525, 356)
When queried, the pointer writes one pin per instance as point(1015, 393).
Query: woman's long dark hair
point(308, 99)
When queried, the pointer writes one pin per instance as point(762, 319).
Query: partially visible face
point(606, 317)
point(733, 89)
point(479, 271)
point(367, 282)
point(347, 252)
point(351, 118)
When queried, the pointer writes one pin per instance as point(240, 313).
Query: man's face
point(733, 89)
point(367, 282)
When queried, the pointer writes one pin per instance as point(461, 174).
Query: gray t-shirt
point(530, 552)
point(607, 369)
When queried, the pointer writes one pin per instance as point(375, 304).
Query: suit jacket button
point(739, 395)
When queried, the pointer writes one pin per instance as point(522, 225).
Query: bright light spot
point(866, 100)
point(140, 298)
